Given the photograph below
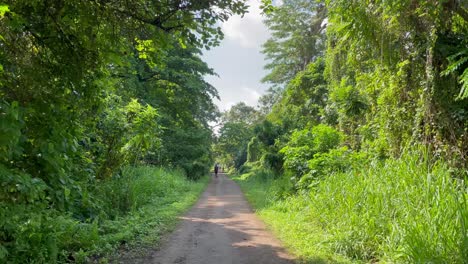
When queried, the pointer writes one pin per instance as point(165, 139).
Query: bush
point(254, 149)
point(241, 157)
point(196, 169)
point(127, 207)
point(247, 167)
point(33, 233)
point(125, 132)
point(272, 161)
point(304, 144)
point(405, 210)
point(333, 161)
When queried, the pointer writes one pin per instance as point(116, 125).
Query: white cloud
point(238, 59)
point(278, 2)
point(249, 30)
point(247, 95)
point(251, 95)
point(227, 106)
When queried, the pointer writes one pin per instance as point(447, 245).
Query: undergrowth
point(403, 210)
point(130, 210)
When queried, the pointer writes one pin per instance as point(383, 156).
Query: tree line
point(88, 88)
point(358, 151)
point(380, 77)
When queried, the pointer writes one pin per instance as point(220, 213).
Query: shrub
point(240, 157)
point(195, 169)
point(304, 144)
point(245, 168)
point(254, 150)
point(333, 161)
point(125, 132)
point(11, 123)
point(33, 232)
point(325, 138)
point(405, 210)
point(273, 161)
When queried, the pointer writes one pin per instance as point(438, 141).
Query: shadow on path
point(220, 228)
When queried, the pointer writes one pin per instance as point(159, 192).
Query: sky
point(238, 59)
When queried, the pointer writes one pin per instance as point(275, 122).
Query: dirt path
point(221, 228)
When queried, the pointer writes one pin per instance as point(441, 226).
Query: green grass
point(157, 197)
point(119, 215)
point(287, 217)
point(403, 211)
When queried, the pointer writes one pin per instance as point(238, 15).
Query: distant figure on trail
point(216, 168)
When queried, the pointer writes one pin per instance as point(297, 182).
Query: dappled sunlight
point(345, 123)
point(221, 228)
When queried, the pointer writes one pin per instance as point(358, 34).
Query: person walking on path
point(216, 168)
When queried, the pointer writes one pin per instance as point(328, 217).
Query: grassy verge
point(287, 217)
point(156, 198)
point(403, 211)
point(108, 217)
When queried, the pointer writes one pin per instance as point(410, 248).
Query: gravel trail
point(220, 229)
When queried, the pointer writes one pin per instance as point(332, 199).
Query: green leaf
point(3, 9)
point(182, 44)
point(3, 252)
point(67, 193)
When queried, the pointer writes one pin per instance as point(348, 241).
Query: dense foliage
point(132, 209)
point(404, 210)
point(234, 135)
point(367, 103)
point(364, 132)
point(87, 88)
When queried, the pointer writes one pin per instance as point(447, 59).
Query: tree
point(268, 100)
point(235, 133)
point(86, 88)
point(297, 38)
point(394, 66)
point(304, 98)
point(62, 60)
point(241, 113)
point(232, 142)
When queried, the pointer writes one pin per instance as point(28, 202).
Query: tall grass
point(132, 209)
point(148, 199)
point(138, 186)
point(404, 210)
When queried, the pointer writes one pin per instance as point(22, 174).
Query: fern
point(464, 82)
point(457, 61)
